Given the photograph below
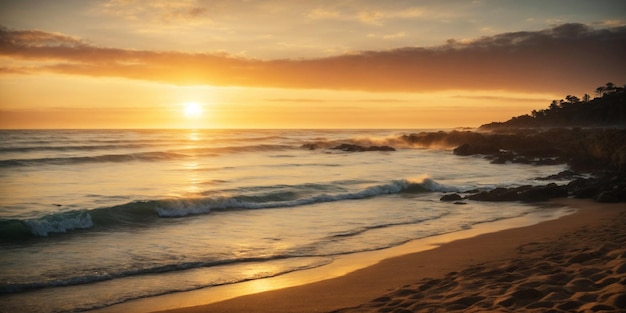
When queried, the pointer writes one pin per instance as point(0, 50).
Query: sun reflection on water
point(191, 165)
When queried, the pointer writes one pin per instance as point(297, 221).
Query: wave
point(90, 147)
point(11, 287)
point(361, 230)
point(138, 156)
point(141, 213)
point(236, 149)
point(180, 208)
point(142, 156)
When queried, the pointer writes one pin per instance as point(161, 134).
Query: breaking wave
point(146, 212)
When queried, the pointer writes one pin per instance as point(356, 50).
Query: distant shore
point(516, 268)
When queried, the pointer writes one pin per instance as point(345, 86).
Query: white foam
point(59, 223)
point(179, 208)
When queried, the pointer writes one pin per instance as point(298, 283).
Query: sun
point(193, 110)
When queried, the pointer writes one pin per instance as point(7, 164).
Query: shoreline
point(240, 296)
point(358, 289)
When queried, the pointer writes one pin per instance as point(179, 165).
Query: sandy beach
point(575, 263)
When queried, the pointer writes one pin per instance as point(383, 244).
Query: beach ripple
point(565, 275)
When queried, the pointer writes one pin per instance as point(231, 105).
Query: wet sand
point(575, 263)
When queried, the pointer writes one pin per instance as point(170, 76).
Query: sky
point(300, 64)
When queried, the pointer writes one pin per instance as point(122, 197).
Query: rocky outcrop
point(603, 187)
point(582, 149)
point(357, 148)
point(451, 197)
point(564, 175)
point(346, 147)
point(523, 193)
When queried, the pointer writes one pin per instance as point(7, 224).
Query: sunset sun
point(193, 110)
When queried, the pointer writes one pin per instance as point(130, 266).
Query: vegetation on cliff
point(608, 109)
point(587, 135)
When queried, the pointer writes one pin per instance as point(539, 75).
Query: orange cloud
point(569, 57)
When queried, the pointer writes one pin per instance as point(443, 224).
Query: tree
point(600, 91)
point(554, 105)
point(572, 99)
point(610, 86)
point(586, 98)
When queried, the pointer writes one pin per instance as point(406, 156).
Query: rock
point(503, 158)
point(310, 146)
point(451, 197)
point(564, 175)
point(495, 195)
point(607, 197)
point(543, 193)
point(356, 148)
point(523, 193)
point(477, 148)
point(583, 188)
point(381, 148)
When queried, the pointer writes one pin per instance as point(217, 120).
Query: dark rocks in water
point(582, 149)
point(602, 187)
point(583, 188)
point(523, 193)
point(497, 195)
point(543, 193)
point(605, 187)
point(564, 175)
point(451, 197)
point(610, 196)
point(356, 148)
point(347, 147)
point(475, 148)
point(503, 157)
point(310, 146)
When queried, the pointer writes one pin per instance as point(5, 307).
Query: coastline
point(356, 279)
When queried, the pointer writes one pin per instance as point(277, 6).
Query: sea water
point(92, 218)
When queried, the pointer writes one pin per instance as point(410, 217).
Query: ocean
point(92, 218)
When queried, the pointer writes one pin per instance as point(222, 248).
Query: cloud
point(564, 59)
point(317, 14)
point(394, 36)
point(37, 38)
point(371, 17)
point(160, 11)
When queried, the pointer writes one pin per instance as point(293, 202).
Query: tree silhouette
point(586, 98)
point(572, 99)
point(607, 110)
